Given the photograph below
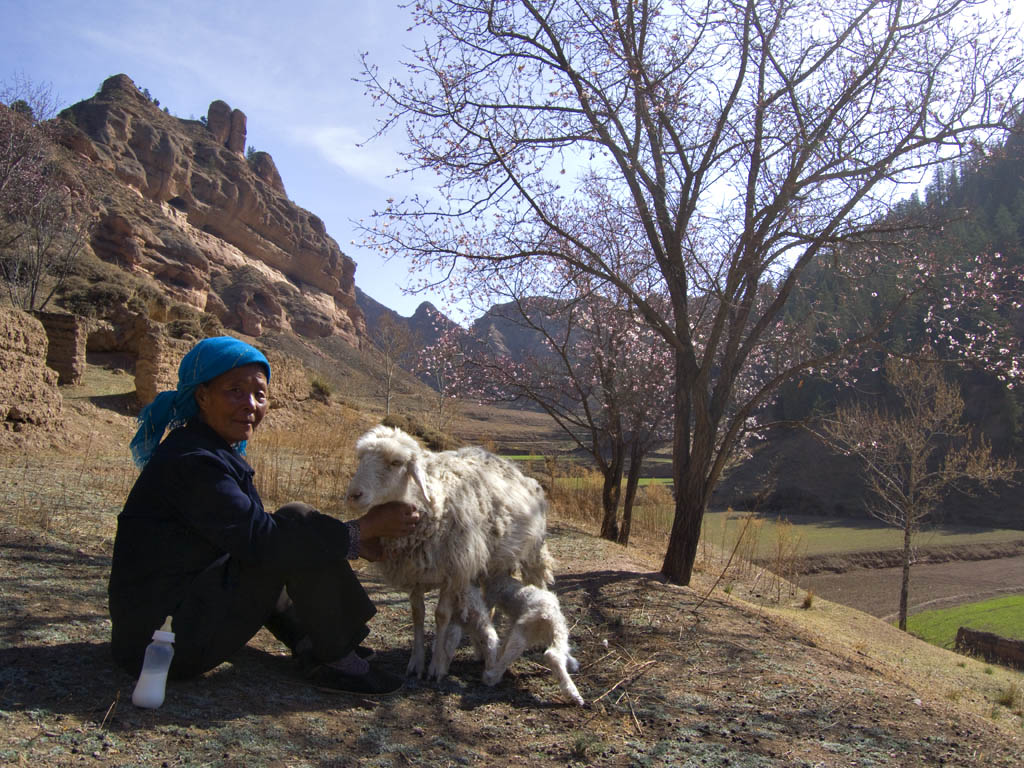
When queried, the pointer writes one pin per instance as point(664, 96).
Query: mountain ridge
point(179, 202)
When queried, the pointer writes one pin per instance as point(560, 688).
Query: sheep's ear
point(417, 474)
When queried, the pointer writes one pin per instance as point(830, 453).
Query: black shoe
point(375, 682)
point(365, 653)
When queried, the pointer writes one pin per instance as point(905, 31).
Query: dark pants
point(310, 592)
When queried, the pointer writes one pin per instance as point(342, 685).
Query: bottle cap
point(165, 634)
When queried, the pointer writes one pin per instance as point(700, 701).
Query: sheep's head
point(388, 459)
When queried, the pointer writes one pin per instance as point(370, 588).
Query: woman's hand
point(393, 518)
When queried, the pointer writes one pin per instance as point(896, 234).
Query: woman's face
point(234, 403)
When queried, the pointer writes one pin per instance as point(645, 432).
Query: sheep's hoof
point(414, 668)
point(437, 672)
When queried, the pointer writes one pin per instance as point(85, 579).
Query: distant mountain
point(514, 330)
point(426, 325)
point(505, 330)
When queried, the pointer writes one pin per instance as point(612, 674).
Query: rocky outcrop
point(28, 388)
point(227, 125)
point(264, 167)
point(66, 340)
point(156, 370)
point(200, 211)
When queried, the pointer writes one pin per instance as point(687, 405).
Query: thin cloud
point(374, 163)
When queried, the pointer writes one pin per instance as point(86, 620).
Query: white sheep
point(480, 517)
point(535, 620)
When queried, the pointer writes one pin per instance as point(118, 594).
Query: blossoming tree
point(746, 141)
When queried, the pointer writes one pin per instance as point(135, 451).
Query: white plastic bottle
point(149, 690)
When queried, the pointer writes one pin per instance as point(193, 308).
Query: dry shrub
point(311, 464)
point(1012, 697)
point(783, 563)
point(577, 498)
point(737, 544)
point(77, 495)
point(653, 510)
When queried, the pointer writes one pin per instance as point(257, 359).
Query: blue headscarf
point(206, 360)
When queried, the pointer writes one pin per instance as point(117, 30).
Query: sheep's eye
point(396, 463)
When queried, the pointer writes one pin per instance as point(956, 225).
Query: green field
point(805, 535)
point(1003, 616)
point(820, 535)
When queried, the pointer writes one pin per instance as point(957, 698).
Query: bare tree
point(744, 140)
point(50, 236)
point(44, 213)
point(394, 346)
point(916, 453)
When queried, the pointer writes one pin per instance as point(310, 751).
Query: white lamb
point(479, 517)
point(535, 620)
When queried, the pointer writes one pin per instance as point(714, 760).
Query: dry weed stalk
point(312, 464)
point(728, 563)
point(629, 679)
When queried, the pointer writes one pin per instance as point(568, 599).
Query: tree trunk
point(682, 544)
point(691, 503)
point(692, 446)
point(905, 584)
point(611, 492)
point(636, 459)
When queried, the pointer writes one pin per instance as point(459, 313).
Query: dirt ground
point(670, 678)
point(705, 675)
point(932, 585)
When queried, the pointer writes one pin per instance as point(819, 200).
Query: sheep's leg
point(477, 621)
point(452, 639)
point(439, 660)
point(418, 610)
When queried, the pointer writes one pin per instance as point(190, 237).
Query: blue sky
point(288, 65)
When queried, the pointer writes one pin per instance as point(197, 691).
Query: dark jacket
point(194, 508)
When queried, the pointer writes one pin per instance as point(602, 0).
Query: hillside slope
point(672, 675)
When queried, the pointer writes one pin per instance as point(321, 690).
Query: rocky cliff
point(179, 201)
point(28, 388)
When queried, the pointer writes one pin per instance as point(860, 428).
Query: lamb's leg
point(439, 660)
point(452, 639)
point(418, 610)
point(515, 646)
point(560, 642)
point(556, 660)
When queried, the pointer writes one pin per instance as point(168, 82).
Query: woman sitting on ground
point(193, 541)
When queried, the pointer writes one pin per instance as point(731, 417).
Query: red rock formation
point(202, 213)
